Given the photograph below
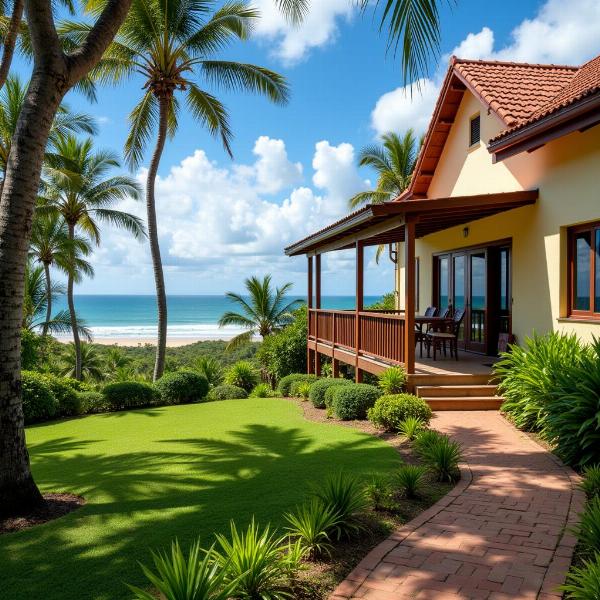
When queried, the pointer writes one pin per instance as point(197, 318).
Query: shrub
point(179, 578)
point(389, 411)
point(243, 374)
point(65, 392)
point(93, 402)
point(379, 492)
point(588, 529)
point(442, 455)
point(39, 403)
point(393, 380)
point(262, 390)
point(285, 384)
point(529, 376)
point(347, 498)
point(352, 401)
point(318, 389)
point(303, 389)
point(129, 394)
point(296, 385)
point(409, 479)
point(210, 368)
point(426, 438)
point(410, 427)
point(256, 561)
point(311, 524)
point(591, 481)
point(574, 410)
point(182, 387)
point(583, 583)
point(227, 392)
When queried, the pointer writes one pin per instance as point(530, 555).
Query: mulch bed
point(318, 579)
point(56, 506)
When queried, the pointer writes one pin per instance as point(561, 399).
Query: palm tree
point(37, 298)
point(82, 363)
point(265, 312)
point(394, 162)
point(50, 245)
point(78, 188)
point(170, 43)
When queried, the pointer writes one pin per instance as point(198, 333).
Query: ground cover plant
point(156, 474)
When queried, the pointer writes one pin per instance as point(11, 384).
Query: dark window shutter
point(475, 131)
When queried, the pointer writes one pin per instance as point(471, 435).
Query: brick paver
point(502, 533)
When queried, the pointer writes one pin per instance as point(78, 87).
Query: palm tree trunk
point(159, 278)
point(48, 299)
point(18, 492)
point(10, 40)
point(71, 303)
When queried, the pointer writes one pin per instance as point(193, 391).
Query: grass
point(152, 475)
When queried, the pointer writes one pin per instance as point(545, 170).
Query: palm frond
point(143, 120)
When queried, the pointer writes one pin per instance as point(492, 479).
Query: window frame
point(591, 228)
point(471, 119)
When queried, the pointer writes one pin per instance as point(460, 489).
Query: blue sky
point(295, 165)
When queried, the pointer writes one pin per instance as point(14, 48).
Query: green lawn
point(152, 475)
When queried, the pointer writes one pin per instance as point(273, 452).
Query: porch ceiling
point(384, 223)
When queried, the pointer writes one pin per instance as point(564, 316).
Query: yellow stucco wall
point(567, 173)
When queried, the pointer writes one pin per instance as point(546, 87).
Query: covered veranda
point(373, 340)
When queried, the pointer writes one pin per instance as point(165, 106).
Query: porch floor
point(467, 364)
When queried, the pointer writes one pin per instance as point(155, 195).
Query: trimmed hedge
point(320, 387)
point(227, 392)
point(129, 394)
point(389, 411)
point(93, 402)
point(39, 403)
point(182, 387)
point(65, 392)
point(285, 384)
point(352, 401)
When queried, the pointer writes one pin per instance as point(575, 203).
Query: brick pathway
point(500, 534)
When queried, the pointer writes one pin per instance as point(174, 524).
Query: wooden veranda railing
point(380, 333)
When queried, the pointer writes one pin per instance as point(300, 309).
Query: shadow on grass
point(142, 500)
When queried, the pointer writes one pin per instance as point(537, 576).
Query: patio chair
point(438, 339)
point(430, 311)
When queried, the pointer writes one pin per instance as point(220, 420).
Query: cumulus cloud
point(274, 171)
point(292, 43)
point(554, 35)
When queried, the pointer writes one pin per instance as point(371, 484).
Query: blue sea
point(190, 317)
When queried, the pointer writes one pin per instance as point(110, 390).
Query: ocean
point(134, 317)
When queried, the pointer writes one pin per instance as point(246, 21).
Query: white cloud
point(475, 45)
point(274, 171)
point(293, 43)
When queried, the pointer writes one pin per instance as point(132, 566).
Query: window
point(475, 130)
point(584, 270)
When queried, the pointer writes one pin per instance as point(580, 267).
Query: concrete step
point(464, 403)
point(459, 391)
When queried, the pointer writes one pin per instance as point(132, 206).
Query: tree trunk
point(71, 303)
point(48, 299)
point(159, 278)
point(18, 492)
point(10, 40)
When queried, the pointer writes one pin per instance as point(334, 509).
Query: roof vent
point(475, 133)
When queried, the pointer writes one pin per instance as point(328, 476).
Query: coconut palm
point(50, 245)
point(172, 44)
point(83, 363)
point(266, 310)
point(77, 186)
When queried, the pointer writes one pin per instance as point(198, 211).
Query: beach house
point(500, 225)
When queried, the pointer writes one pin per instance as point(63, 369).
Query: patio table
point(437, 324)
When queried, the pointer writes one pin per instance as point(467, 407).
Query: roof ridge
point(505, 63)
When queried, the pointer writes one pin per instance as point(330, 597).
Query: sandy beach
point(172, 342)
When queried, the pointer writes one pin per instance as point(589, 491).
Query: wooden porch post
point(309, 352)
point(359, 305)
point(317, 306)
point(409, 293)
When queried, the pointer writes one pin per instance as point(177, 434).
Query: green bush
point(129, 394)
point(262, 390)
point(303, 389)
point(242, 374)
point(591, 481)
point(352, 401)
point(65, 392)
point(393, 380)
point(529, 376)
point(319, 387)
point(442, 455)
point(588, 529)
point(583, 583)
point(39, 403)
point(285, 384)
point(93, 402)
point(285, 351)
point(210, 368)
point(227, 392)
point(410, 427)
point(409, 480)
point(426, 438)
point(182, 387)
point(389, 411)
point(329, 394)
point(379, 491)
